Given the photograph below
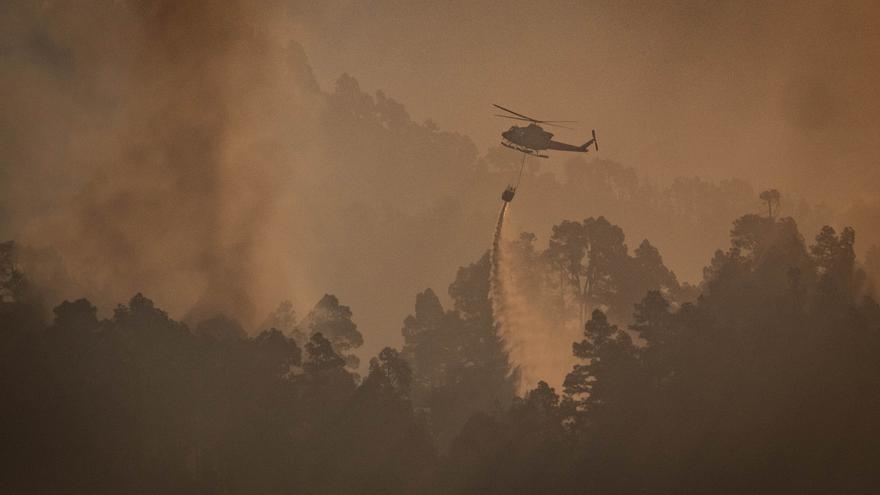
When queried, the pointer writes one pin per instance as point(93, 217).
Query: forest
point(761, 379)
point(231, 263)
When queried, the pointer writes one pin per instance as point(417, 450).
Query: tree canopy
point(764, 382)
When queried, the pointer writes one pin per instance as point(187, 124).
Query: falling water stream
point(537, 345)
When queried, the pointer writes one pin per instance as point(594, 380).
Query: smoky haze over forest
point(189, 151)
point(775, 92)
point(258, 247)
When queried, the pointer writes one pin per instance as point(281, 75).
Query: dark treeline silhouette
point(139, 403)
point(764, 379)
point(768, 383)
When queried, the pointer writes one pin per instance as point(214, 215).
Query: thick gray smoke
point(156, 145)
point(184, 150)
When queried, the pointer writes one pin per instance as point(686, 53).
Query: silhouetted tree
point(12, 281)
point(333, 321)
point(523, 449)
point(459, 366)
point(592, 260)
point(283, 319)
point(771, 197)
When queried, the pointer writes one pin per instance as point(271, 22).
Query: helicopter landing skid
point(523, 149)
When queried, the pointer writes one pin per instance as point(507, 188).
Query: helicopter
point(533, 139)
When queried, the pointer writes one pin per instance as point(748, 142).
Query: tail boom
point(555, 145)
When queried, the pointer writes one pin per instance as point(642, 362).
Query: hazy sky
point(783, 93)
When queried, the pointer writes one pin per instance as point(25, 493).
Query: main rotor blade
point(517, 114)
point(542, 122)
point(555, 125)
point(512, 117)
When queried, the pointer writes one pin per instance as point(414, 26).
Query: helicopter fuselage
point(532, 137)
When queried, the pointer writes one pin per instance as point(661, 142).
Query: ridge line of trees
point(764, 379)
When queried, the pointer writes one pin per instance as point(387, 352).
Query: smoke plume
point(175, 142)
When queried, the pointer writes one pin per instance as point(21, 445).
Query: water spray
point(537, 348)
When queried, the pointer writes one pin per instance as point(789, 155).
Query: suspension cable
point(521, 167)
